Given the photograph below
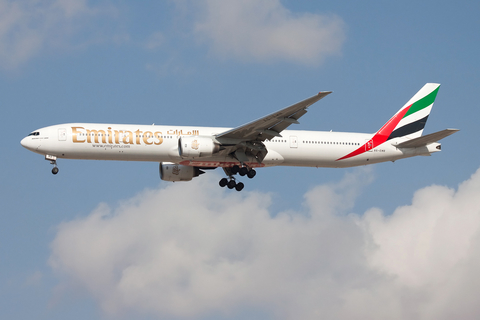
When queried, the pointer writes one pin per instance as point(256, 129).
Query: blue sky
point(108, 240)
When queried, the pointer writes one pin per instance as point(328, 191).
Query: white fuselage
point(160, 144)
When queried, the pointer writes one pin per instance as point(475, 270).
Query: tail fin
point(410, 120)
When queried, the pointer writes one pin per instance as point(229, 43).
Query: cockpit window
point(36, 133)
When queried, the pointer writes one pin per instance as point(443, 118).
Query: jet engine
point(177, 172)
point(196, 147)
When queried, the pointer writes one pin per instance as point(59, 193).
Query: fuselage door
point(293, 142)
point(62, 134)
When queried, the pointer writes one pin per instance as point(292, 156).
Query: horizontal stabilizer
point(427, 139)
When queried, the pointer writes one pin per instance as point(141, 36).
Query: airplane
point(184, 152)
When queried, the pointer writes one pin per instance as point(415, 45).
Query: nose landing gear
point(53, 160)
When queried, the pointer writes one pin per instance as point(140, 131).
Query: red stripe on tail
point(381, 136)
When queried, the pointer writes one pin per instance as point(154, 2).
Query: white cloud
point(193, 249)
point(266, 30)
point(27, 27)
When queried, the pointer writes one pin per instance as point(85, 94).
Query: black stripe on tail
point(409, 128)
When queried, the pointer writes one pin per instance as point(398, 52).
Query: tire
point(223, 182)
point(55, 170)
point(243, 171)
point(251, 173)
point(235, 169)
point(239, 186)
point(231, 184)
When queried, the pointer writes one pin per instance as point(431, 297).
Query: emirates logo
point(195, 145)
point(176, 170)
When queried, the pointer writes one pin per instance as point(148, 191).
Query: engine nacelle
point(177, 172)
point(197, 147)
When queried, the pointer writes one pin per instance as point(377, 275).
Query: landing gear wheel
point(235, 169)
point(231, 184)
point(243, 171)
point(223, 182)
point(251, 173)
point(239, 186)
point(55, 170)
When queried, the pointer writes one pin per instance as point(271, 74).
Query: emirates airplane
point(184, 152)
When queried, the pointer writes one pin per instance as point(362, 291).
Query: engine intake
point(197, 147)
point(177, 172)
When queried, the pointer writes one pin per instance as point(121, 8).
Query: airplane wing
point(271, 125)
point(427, 139)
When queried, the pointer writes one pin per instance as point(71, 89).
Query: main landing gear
point(53, 160)
point(231, 183)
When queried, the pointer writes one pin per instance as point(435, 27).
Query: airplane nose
point(28, 143)
point(24, 142)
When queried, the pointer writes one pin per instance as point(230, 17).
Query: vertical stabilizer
point(414, 113)
point(408, 122)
